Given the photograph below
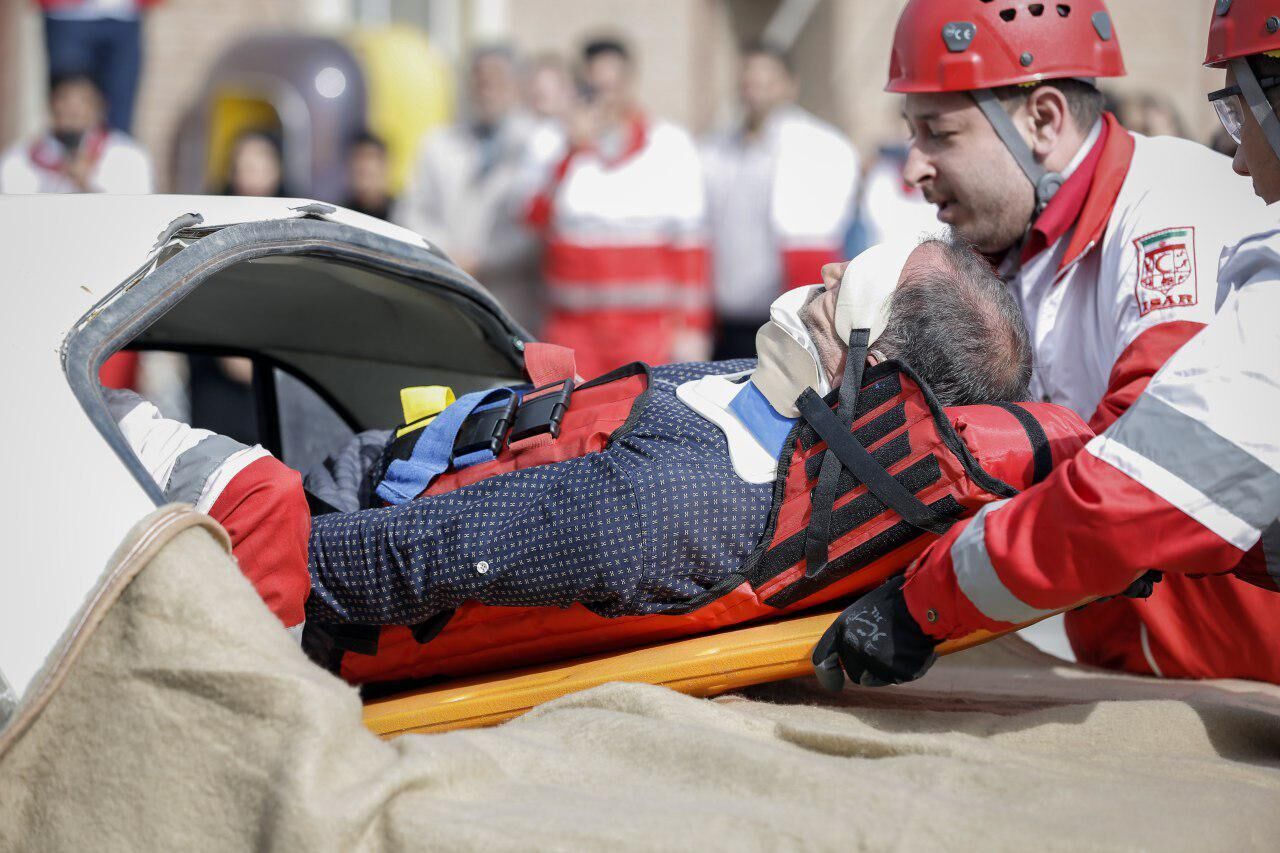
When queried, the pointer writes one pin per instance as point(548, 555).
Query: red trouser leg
point(264, 509)
point(1206, 627)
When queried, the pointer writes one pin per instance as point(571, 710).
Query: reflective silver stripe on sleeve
point(1232, 478)
point(1271, 551)
point(978, 580)
point(194, 468)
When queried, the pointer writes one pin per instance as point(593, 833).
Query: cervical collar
point(788, 357)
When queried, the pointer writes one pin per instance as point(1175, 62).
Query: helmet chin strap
point(1259, 103)
point(1046, 183)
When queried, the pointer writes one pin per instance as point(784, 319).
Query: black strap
point(1041, 453)
point(856, 458)
point(818, 533)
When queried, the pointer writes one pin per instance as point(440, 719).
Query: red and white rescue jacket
point(1121, 268)
point(625, 252)
point(1118, 273)
point(1187, 481)
point(815, 181)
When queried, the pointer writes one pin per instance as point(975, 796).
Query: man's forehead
point(926, 106)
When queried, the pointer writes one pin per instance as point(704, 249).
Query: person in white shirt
point(780, 191)
point(463, 195)
point(79, 153)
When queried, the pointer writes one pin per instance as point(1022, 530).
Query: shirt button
point(482, 567)
point(931, 615)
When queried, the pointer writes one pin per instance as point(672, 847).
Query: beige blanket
point(192, 722)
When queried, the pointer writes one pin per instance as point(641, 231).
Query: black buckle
point(484, 430)
point(542, 414)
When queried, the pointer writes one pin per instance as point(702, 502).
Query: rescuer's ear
point(1047, 114)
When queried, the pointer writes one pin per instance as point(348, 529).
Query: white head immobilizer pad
point(788, 357)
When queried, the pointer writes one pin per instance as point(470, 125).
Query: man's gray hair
point(958, 327)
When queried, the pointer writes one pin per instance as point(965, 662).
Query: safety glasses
point(1230, 109)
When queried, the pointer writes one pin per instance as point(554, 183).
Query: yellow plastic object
point(409, 86)
point(421, 404)
point(699, 666)
point(233, 112)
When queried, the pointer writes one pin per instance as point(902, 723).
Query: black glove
point(1144, 585)
point(876, 641)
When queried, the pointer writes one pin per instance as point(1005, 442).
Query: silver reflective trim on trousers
point(978, 580)
point(194, 467)
point(1232, 478)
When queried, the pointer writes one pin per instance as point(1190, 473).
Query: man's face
point(494, 88)
point(608, 76)
point(764, 85)
point(550, 91)
point(255, 168)
point(962, 167)
point(75, 107)
point(819, 312)
point(1254, 157)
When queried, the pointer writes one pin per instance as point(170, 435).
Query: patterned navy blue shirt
point(644, 526)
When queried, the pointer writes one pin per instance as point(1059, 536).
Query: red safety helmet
point(959, 45)
point(1241, 28)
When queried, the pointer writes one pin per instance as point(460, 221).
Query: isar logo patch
point(1166, 269)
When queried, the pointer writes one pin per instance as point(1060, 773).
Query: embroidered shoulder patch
point(1166, 269)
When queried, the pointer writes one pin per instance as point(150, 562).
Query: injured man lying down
point(880, 410)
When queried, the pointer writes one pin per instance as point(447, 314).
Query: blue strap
point(762, 420)
point(407, 478)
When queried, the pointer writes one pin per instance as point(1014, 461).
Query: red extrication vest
point(830, 535)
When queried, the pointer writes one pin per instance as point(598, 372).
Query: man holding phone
point(79, 153)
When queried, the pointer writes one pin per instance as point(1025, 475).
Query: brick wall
point(183, 39)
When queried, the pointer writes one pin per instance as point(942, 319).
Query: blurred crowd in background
point(596, 222)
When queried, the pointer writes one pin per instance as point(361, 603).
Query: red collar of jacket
point(1087, 199)
point(48, 154)
point(637, 136)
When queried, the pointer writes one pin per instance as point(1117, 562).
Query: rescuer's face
point(1254, 157)
point(962, 167)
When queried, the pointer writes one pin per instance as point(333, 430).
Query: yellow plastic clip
point(421, 404)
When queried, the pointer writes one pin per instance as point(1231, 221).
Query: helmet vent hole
point(1008, 14)
point(1063, 10)
point(1036, 9)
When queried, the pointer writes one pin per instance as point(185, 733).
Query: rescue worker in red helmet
point(1186, 481)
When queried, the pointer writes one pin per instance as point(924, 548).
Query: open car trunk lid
point(351, 305)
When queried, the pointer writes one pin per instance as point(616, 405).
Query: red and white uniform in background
point(120, 166)
point(810, 182)
point(1187, 481)
point(254, 496)
point(625, 251)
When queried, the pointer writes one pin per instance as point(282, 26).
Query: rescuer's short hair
point(603, 46)
point(960, 329)
point(1084, 101)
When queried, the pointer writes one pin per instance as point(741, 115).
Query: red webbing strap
point(548, 363)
